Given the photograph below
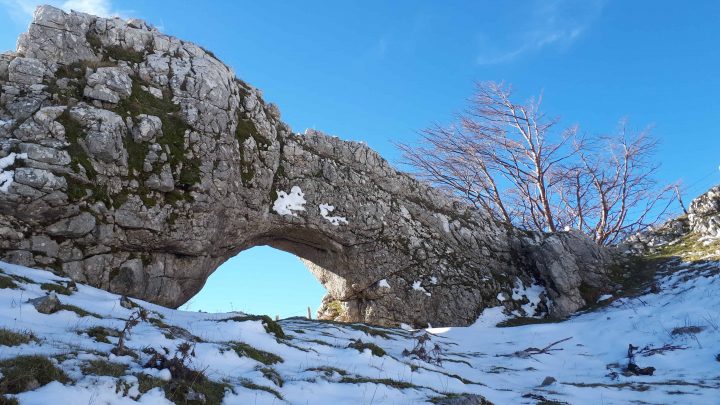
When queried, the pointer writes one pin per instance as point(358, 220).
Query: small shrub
point(245, 350)
point(26, 373)
point(11, 338)
point(184, 379)
point(422, 352)
point(360, 346)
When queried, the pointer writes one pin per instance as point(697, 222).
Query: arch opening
point(261, 280)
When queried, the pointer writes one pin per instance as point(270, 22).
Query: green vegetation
point(121, 53)
point(176, 390)
point(104, 367)
point(101, 334)
point(688, 248)
point(24, 373)
point(245, 350)
point(56, 288)
point(12, 338)
point(328, 371)
point(401, 385)
point(81, 312)
point(272, 375)
point(173, 138)
point(270, 325)
point(252, 386)
point(525, 320)
point(7, 282)
point(360, 346)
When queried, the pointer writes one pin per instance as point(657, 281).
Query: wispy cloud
point(22, 10)
point(535, 26)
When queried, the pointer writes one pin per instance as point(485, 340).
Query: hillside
point(244, 359)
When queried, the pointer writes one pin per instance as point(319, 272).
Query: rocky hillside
point(68, 343)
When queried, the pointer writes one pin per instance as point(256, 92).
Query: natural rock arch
point(140, 164)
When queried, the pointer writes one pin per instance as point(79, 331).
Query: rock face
point(704, 214)
point(138, 163)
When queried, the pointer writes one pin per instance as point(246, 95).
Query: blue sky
point(379, 71)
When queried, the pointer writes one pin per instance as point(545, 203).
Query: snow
point(417, 286)
point(383, 284)
point(7, 176)
point(286, 204)
point(587, 367)
point(326, 209)
point(604, 297)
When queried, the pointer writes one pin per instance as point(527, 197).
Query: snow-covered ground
point(316, 366)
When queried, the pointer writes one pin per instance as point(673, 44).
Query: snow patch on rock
point(326, 209)
point(287, 204)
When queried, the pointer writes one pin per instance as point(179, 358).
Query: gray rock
point(26, 71)
point(149, 202)
point(704, 214)
point(548, 381)
point(46, 305)
point(108, 84)
point(147, 128)
point(73, 227)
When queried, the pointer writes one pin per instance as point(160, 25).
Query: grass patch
point(25, 373)
point(8, 282)
point(12, 338)
point(101, 334)
point(272, 375)
point(689, 248)
point(525, 320)
point(401, 385)
point(328, 371)
point(252, 386)
point(104, 367)
point(56, 288)
point(270, 325)
point(360, 346)
point(245, 350)
point(81, 312)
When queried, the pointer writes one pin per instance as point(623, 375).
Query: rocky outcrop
point(704, 214)
point(138, 163)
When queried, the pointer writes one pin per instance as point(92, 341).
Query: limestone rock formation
point(138, 163)
point(704, 214)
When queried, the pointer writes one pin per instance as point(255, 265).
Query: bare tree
point(515, 163)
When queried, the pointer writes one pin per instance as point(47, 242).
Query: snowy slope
point(316, 366)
